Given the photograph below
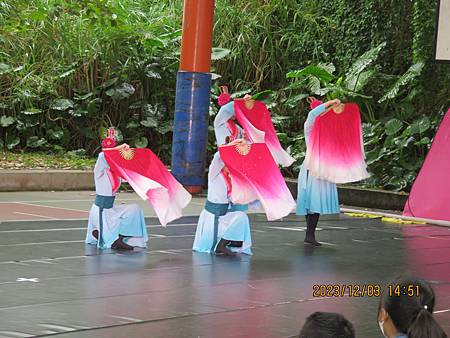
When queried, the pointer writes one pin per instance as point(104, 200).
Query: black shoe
point(222, 249)
point(312, 242)
point(119, 244)
point(235, 244)
point(95, 234)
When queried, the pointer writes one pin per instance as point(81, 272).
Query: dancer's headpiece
point(110, 140)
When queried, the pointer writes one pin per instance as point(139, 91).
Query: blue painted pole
point(190, 133)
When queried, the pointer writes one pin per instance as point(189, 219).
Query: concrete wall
point(60, 180)
point(43, 180)
point(366, 198)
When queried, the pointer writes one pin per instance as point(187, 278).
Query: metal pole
point(190, 134)
point(401, 217)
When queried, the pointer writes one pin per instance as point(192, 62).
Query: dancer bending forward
point(113, 226)
point(223, 228)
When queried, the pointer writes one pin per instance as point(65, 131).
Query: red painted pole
point(196, 40)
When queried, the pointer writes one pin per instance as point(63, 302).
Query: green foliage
point(69, 69)
point(411, 74)
point(395, 150)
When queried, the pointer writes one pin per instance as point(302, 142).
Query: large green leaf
point(151, 71)
point(6, 121)
point(12, 141)
point(219, 53)
point(149, 122)
point(357, 82)
point(79, 112)
point(264, 95)
point(92, 106)
point(393, 126)
point(423, 141)
point(31, 111)
point(364, 60)
point(35, 142)
point(132, 125)
point(418, 127)
point(123, 91)
point(150, 110)
point(165, 127)
point(55, 134)
point(314, 85)
point(141, 142)
point(316, 71)
point(61, 104)
point(411, 74)
point(240, 93)
point(109, 83)
point(329, 67)
point(403, 142)
point(82, 97)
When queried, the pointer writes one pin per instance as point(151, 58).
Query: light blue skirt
point(125, 219)
point(233, 226)
point(315, 195)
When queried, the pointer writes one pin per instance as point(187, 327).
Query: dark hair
point(412, 315)
point(327, 325)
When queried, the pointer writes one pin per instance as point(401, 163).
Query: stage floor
point(52, 284)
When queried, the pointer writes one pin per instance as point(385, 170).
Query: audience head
point(407, 307)
point(327, 325)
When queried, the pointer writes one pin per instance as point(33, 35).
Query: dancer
point(260, 189)
point(334, 154)
point(316, 196)
point(223, 228)
point(113, 226)
point(255, 119)
point(121, 227)
point(225, 127)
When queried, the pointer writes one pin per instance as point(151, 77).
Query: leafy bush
point(69, 69)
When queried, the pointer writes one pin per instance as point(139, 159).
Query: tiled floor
point(52, 284)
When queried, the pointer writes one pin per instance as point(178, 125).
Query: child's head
point(407, 307)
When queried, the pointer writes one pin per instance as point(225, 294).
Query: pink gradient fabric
point(233, 130)
point(151, 180)
point(256, 176)
point(335, 151)
point(430, 193)
point(258, 125)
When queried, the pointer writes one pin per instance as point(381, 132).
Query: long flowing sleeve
point(220, 122)
point(309, 123)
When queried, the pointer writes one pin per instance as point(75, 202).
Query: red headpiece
point(224, 97)
point(109, 141)
point(315, 103)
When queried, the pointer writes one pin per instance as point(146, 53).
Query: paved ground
point(25, 206)
point(52, 284)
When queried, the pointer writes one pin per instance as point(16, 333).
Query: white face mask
point(382, 328)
